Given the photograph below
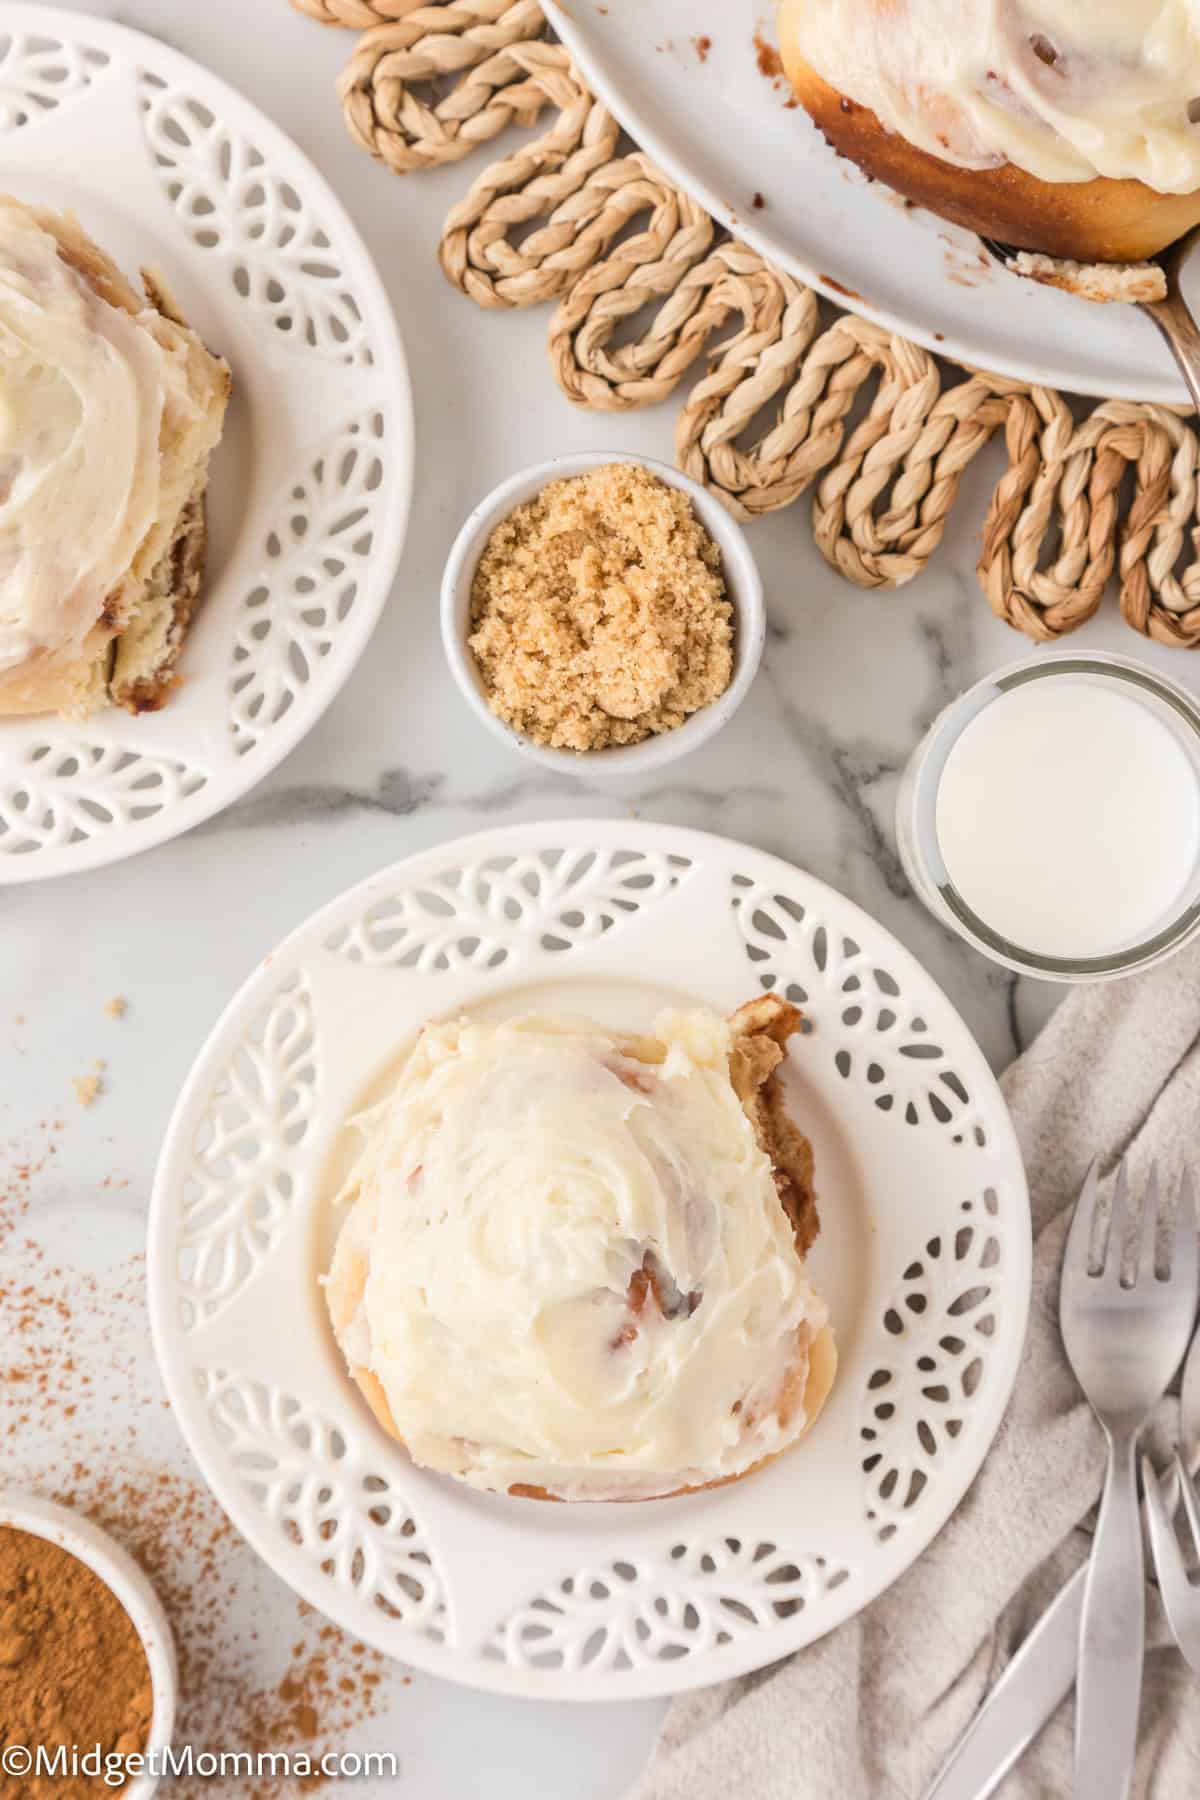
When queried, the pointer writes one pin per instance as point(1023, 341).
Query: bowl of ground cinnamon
point(87, 1662)
point(602, 609)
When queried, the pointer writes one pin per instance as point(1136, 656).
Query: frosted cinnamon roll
point(109, 408)
point(1058, 127)
point(573, 1266)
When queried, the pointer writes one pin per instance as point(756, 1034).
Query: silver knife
point(1031, 1689)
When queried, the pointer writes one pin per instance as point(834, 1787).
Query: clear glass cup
point(916, 814)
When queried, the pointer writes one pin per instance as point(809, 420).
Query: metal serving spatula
point(1172, 316)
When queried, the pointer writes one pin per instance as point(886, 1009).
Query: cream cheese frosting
point(1063, 90)
point(83, 391)
point(567, 1264)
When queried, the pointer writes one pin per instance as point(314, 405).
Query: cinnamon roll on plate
point(1059, 127)
point(573, 1267)
point(110, 407)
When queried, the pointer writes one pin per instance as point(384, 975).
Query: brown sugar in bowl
point(742, 588)
point(126, 1582)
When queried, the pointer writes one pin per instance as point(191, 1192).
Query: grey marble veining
point(808, 769)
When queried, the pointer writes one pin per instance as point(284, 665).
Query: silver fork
point(1124, 1328)
point(1181, 1600)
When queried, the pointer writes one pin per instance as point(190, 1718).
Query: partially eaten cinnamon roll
point(573, 1267)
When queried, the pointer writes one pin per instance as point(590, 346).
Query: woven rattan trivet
point(429, 82)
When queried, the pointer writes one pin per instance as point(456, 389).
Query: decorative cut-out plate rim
point(300, 1002)
point(174, 748)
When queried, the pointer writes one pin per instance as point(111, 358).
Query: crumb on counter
point(87, 1088)
point(117, 1007)
point(598, 612)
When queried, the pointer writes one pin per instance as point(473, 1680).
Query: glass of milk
point(1051, 816)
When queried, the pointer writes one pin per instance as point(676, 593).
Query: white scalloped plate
point(924, 1257)
point(309, 498)
point(726, 133)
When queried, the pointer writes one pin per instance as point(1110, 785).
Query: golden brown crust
point(1084, 221)
point(143, 674)
point(761, 1029)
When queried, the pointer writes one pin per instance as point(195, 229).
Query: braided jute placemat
point(1085, 491)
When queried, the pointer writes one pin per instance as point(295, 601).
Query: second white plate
point(924, 1257)
point(694, 83)
point(167, 166)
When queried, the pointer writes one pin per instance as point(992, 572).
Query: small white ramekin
point(118, 1571)
point(743, 585)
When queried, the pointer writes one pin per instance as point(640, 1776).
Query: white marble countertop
point(808, 769)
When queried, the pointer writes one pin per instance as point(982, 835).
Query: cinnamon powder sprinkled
point(54, 1384)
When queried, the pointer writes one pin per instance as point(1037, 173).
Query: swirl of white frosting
point(1065, 91)
point(82, 391)
point(577, 1269)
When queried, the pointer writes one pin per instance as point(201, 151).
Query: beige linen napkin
point(870, 1711)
